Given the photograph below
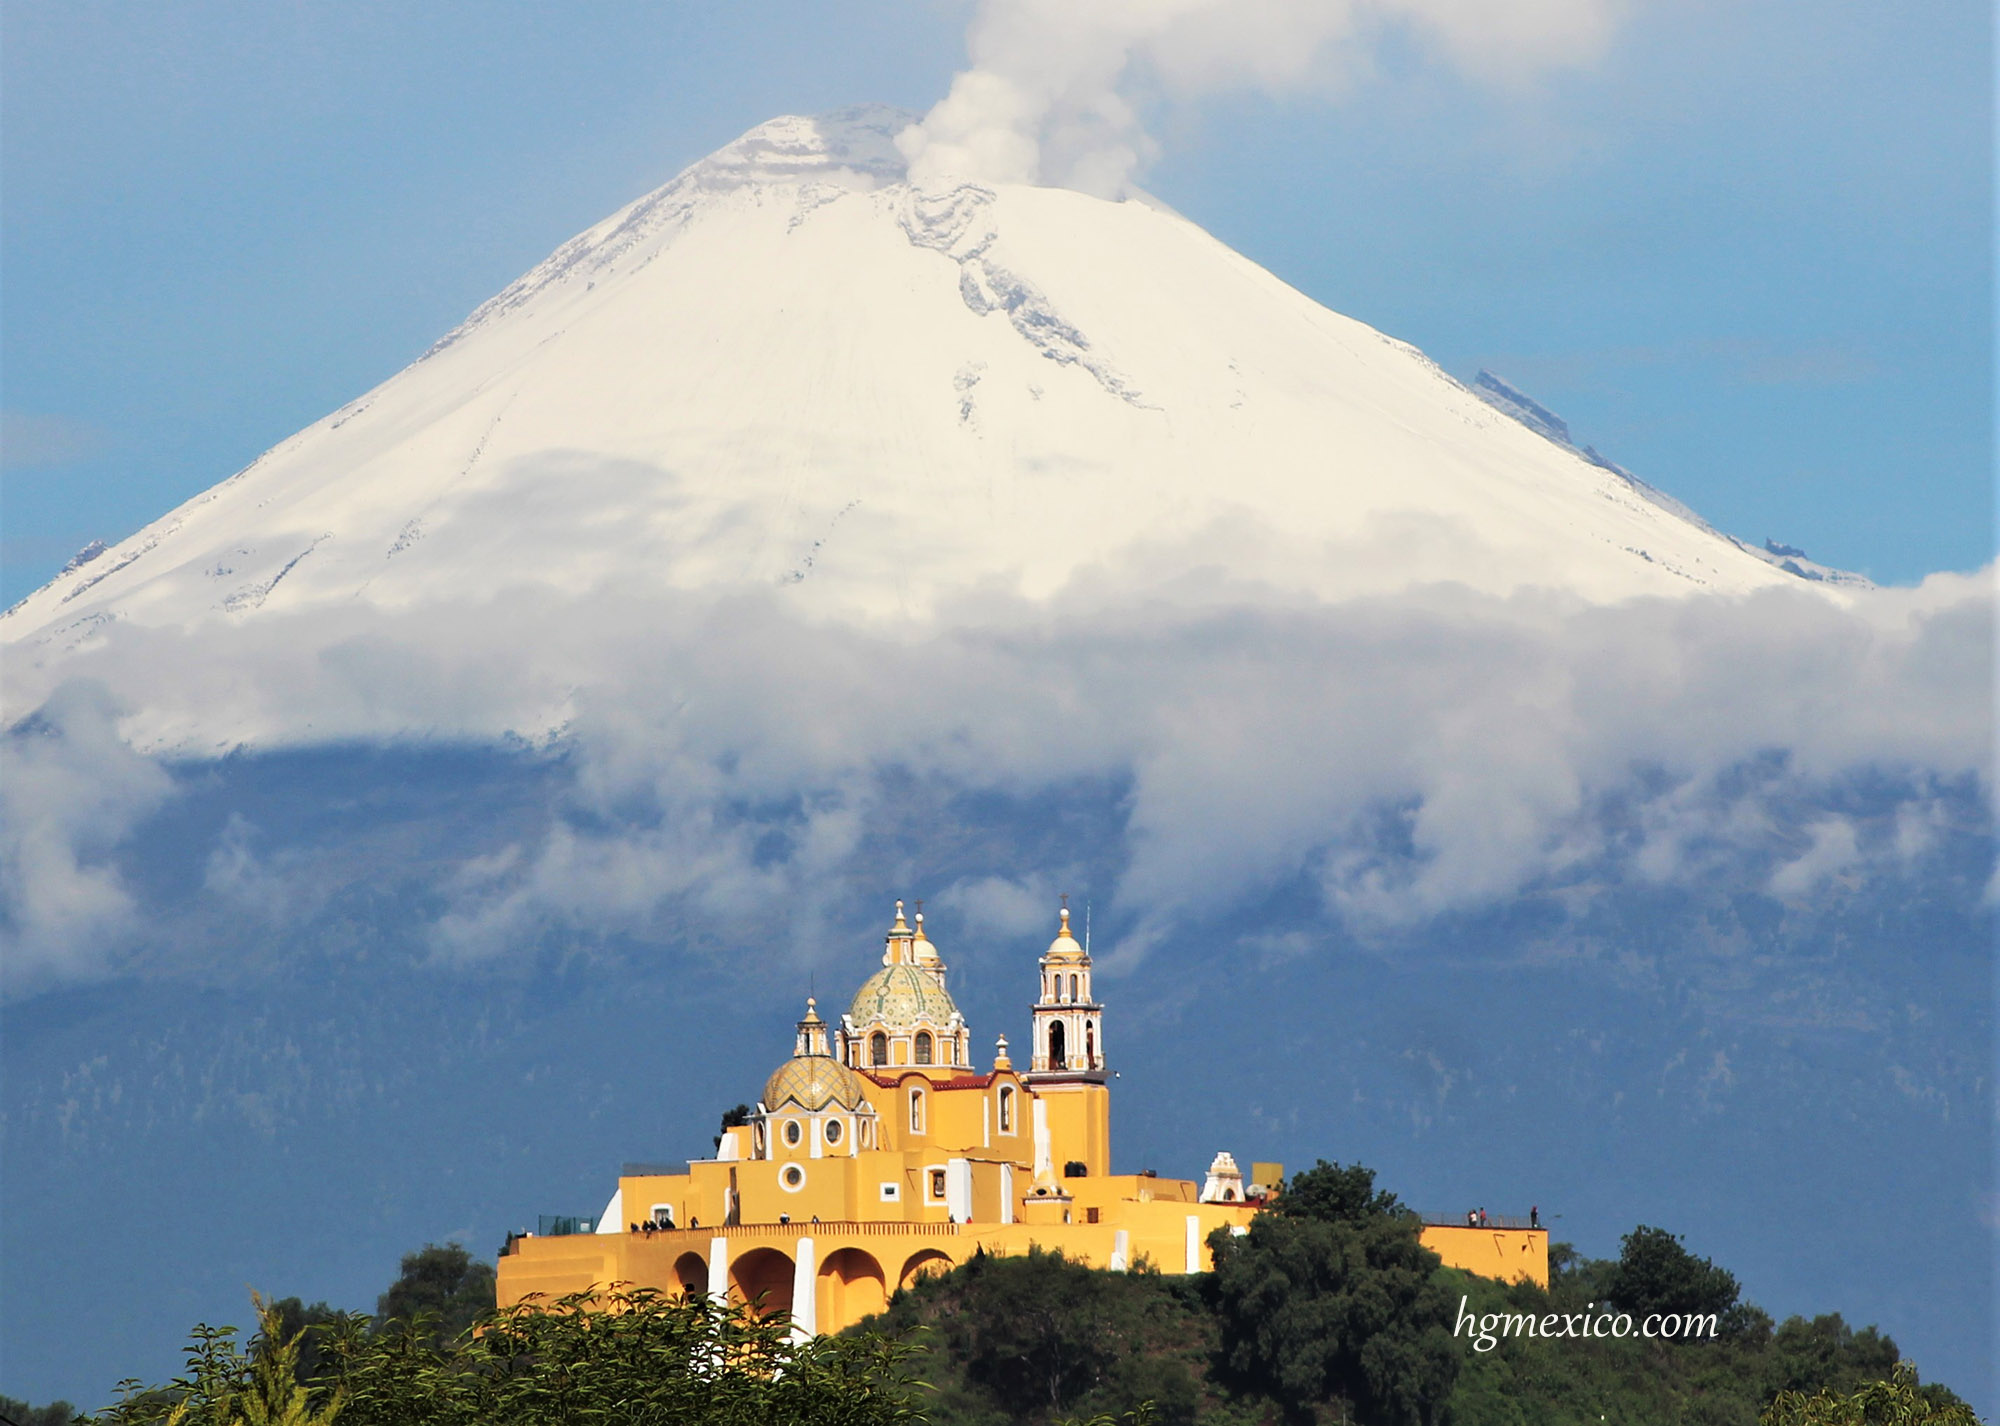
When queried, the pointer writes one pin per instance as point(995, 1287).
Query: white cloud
point(70, 791)
point(1050, 95)
point(1409, 757)
point(1835, 847)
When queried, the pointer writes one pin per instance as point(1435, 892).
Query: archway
point(923, 1264)
point(851, 1287)
point(763, 1277)
point(691, 1274)
point(1057, 1058)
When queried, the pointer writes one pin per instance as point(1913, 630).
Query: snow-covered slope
point(787, 369)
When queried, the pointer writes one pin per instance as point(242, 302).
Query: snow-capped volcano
point(790, 370)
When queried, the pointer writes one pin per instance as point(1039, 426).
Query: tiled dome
point(813, 1082)
point(902, 997)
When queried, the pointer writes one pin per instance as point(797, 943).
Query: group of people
point(662, 1224)
point(1476, 1217)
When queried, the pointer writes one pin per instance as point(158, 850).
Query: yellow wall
point(859, 1264)
point(1509, 1254)
point(1079, 1125)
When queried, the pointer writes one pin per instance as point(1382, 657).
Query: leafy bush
point(1330, 1300)
point(630, 1356)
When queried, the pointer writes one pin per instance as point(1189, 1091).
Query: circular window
point(793, 1178)
point(832, 1131)
point(792, 1131)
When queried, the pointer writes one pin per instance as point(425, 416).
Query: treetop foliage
point(629, 1356)
point(1333, 1300)
point(1896, 1401)
point(1330, 1193)
point(1656, 1274)
point(442, 1283)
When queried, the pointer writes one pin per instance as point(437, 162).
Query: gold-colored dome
point(1064, 947)
point(902, 997)
point(814, 1082)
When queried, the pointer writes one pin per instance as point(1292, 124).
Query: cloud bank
point(1405, 758)
point(1052, 94)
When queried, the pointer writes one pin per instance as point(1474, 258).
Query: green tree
point(442, 1286)
point(307, 1325)
point(1656, 1274)
point(56, 1413)
point(1017, 1340)
point(1332, 1299)
point(633, 1358)
point(1827, 1354)
point(733, 1119)
point(1897, 1400)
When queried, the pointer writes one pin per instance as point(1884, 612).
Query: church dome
point(815, 1082)
point(1064, 947)
point(901, 996)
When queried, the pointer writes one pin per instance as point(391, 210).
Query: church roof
point(814, 1082)
point(902, 997)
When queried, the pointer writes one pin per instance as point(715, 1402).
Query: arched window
point(1057, 1058)
point(1072, 988)
point(878, 1048)
point(923, 1047)
point(916, 1111)
point(1007, 1110)
point(1089, 1046)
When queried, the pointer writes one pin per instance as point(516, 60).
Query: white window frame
point(792, 1177)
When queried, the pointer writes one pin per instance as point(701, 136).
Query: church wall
point(1509, 1254)
point(1079, 1125)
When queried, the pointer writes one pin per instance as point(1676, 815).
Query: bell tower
point(1069, 1023)
point(1066, 1074)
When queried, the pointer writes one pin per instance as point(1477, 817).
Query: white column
point(1121, 1251)
point(958, 1189)
point(985, 1123)
point(1006, 1193)
point(718, 1271)
point(1045, 1162)
point(814, 1139)
point(1194, 1243)
point(805, 1295)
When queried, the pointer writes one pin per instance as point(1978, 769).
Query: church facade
point(879, 1152)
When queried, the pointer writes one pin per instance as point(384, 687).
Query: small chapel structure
point(879, 1152)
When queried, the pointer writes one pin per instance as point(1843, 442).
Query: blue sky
point(1746, 251)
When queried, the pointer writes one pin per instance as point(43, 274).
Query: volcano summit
point(788, 369)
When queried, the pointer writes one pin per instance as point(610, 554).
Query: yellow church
point(878, 1152)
